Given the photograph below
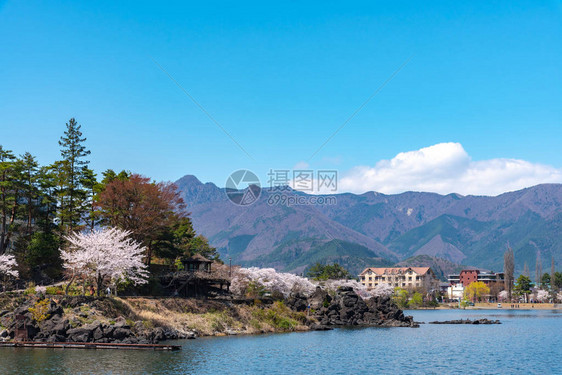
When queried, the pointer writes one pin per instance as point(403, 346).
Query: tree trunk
point(69, 284)
point(149, 253)
point(99, 282)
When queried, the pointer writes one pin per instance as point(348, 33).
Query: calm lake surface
point(528, 342)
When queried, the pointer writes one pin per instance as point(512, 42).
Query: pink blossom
point(106, 253)
point(503, 295)
point(7, 265)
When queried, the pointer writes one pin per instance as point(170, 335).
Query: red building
point(468, 276)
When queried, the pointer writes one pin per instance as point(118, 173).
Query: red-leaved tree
point(144, 208)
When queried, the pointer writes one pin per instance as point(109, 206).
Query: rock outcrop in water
point(347, 308)
point(468, 321)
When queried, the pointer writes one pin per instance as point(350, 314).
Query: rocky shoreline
point(112, 320)
point(67, 321)
point(346, 308)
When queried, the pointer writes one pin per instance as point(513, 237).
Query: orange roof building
point(399, 277)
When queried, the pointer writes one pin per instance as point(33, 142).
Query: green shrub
point(30, 291)
point(54, 290)
point(255, 290)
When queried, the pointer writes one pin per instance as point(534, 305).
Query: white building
point(455, 291)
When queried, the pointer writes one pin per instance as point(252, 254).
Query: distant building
point(403, 277)
point(465, 277)
point(455, 292)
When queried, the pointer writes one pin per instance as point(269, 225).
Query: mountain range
point(374, 229)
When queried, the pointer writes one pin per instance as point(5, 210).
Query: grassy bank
point(213, 318)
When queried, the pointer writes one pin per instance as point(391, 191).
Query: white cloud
point(301, 165)
point(447, 168)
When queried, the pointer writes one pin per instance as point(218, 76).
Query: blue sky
point(281, 78)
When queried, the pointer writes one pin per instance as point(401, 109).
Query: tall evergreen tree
point(30, 191)
point(47, 181)
point(93, 188)
point(73, 195)
point(8, 198)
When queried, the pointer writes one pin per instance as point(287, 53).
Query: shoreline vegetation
point(149, 320)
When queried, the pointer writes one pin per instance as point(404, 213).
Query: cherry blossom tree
point(383, 290)
point(7, 267)
point(286, 284)
point(271, 280)
point(503, 295)
point(105, 254)
point(542, 295)
point(360, 289)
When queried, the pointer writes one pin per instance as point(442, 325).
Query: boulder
point(347, 308)
point(80, 334)
point(121, 333)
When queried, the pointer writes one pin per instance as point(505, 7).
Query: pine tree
point(93, 188)
point(30, 191)
point(8, 198)
point(47, 181)
point(72, 195)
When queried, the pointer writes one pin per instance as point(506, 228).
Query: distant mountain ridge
point(380, 229)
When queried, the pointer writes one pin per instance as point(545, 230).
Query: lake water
point(528, 342)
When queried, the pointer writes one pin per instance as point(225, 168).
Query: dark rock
point(467, 321)
point(130, 340)
point(346, 308)
point(121, 322)
point(56, 338)
point(320, 327)
point(121, 333)
point(80, 334)
point(98, 334)
point(61, 327)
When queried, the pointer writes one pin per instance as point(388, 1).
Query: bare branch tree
point(526, 270)
point(538, 269)
point(509, 269)
point(552, 271)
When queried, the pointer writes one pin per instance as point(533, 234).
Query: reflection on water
point(525, 342)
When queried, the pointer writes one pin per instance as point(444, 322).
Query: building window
point(410, 278)
point(417, 277)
